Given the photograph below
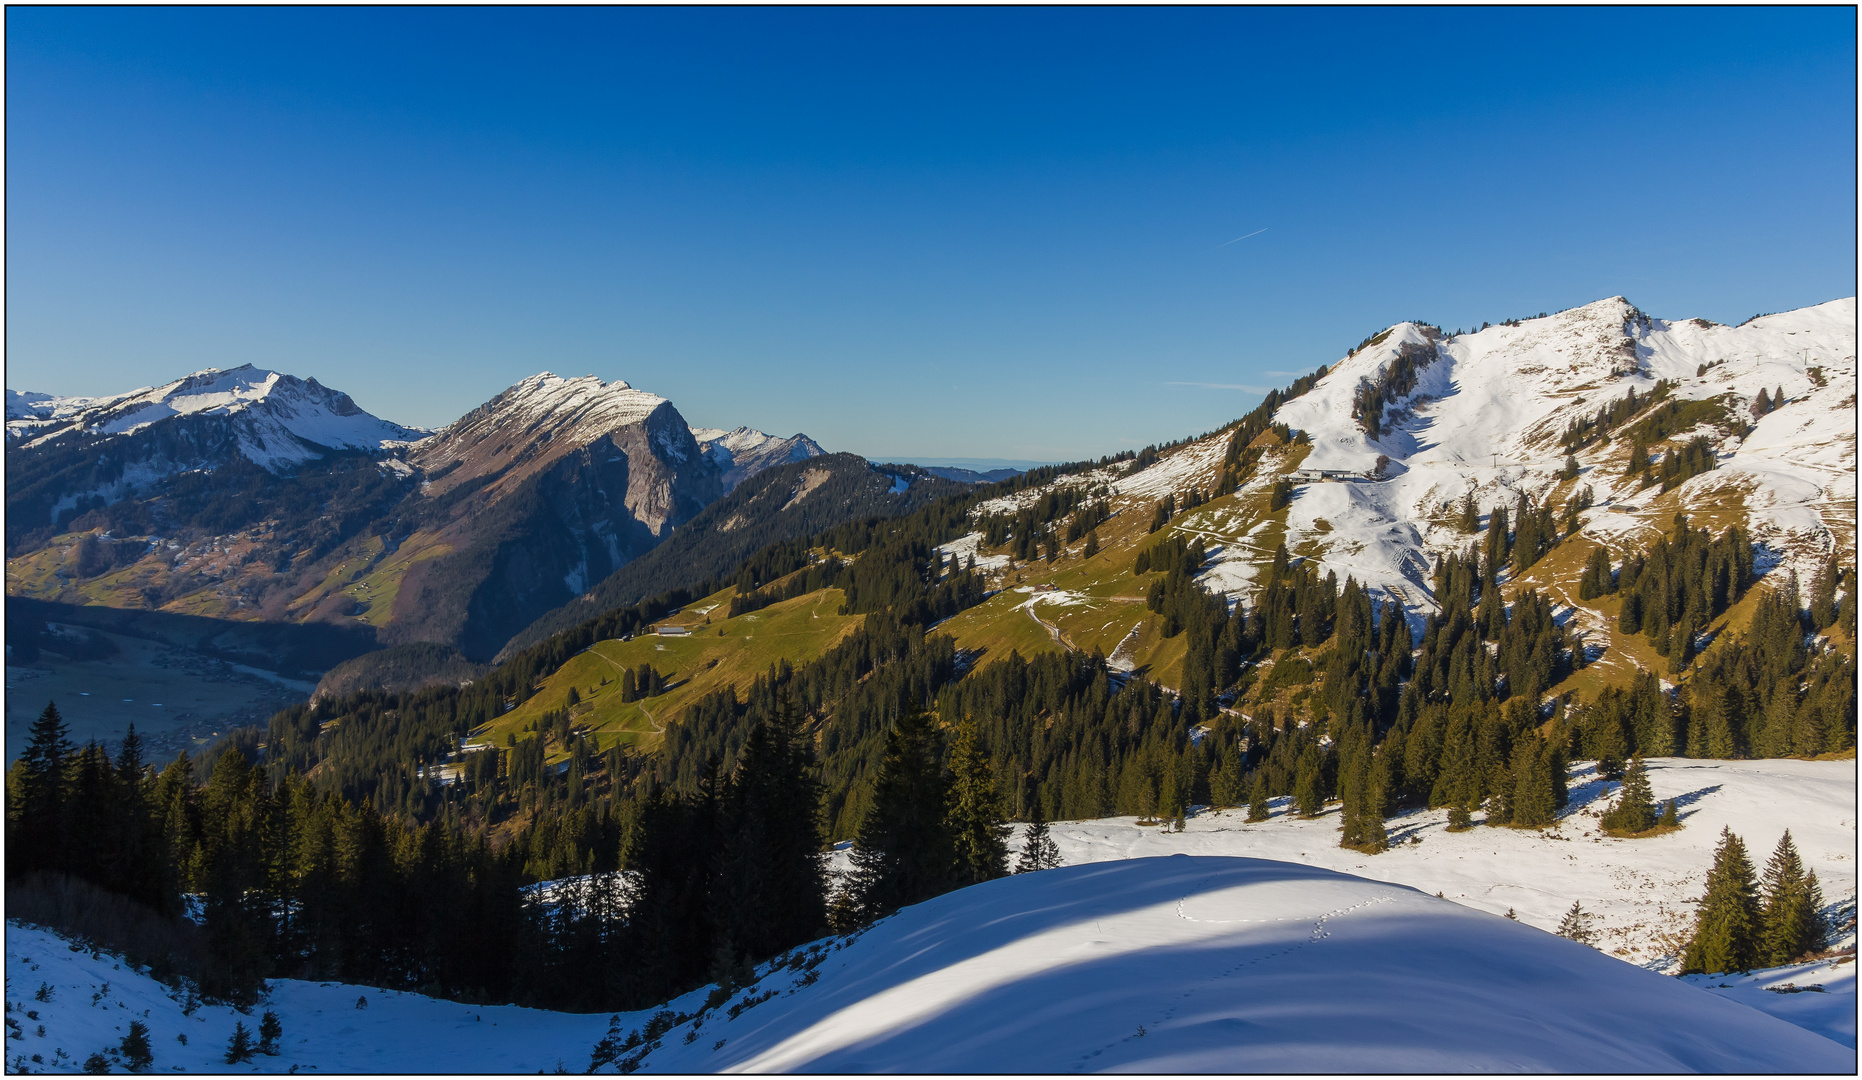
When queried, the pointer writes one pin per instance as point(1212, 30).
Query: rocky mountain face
point(253, 495)
point(778, 504)
point(744, 452)
point(550, 486)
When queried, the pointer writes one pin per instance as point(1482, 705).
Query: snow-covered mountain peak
point(277, 419)
point(543, 417)
point(1483, 413)
point(743, 452)
point(580, 402)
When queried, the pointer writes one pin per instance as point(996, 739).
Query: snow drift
point(1186, 964)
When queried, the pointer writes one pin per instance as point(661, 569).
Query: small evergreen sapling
point(239, 1048)
point(1039, 852)
point(270, 1031)
point(1576, 925)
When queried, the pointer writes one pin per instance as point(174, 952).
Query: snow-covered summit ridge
point(1508, 391)
point(279, 419)
point(744, 452)
point(537, 421)
point(582, 403)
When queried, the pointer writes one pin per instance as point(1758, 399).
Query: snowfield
point(324, 1032)
point(1637, 891)
point(1225, 948)
point(1187, 964)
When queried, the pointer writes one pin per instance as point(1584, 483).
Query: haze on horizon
point(910, 233)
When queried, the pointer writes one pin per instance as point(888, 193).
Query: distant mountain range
point(254, 495)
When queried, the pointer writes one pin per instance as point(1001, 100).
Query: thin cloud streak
point(1222, 386)
point(1239, 239)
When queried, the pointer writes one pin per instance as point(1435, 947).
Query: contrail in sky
point(1256, 232)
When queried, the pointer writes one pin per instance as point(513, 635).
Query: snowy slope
point(1485, 417)
point(277, 419)
point(1486, 414)
point(1637, 891)
point(744, 452)
point(1209, 964)
point(324, 1032)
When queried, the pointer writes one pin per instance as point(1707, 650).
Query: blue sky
point(995, 233)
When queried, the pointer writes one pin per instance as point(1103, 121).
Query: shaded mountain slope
point(783, 503)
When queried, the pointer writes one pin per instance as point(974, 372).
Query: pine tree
point(239, 1048)
point(770, 890)
point(1092, 544)
point(1257, 798)
point(1576, 925)
point(1635, 810)
point(38, 814)
point(135, 1047)
point(1727, 927)
point(1823, 595)
point(1308, 786)
point(975, 817)
point(1535, 793)
point(270, 1031)
point(1039, 852)
point(1790, 924)
point(1671, 818)
point(903, 853)
point(1470, 514)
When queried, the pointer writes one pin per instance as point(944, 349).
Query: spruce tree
point(1635, 810)
point(38, 814)
point(1727, 927)
point(975, 817)
point(1309, 783)
point(770, 890)
point(1039, 852)
point(1823, 595)
point(135, 1047)
point(1535, 794)
point(270, 1031)
point(1790, 924)
point(239, 1048)
point(1576, 925)
point(1257, 798)
point(903, 853)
